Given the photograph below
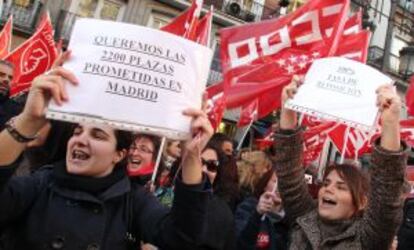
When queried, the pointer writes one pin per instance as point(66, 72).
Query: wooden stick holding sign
point(158, 161)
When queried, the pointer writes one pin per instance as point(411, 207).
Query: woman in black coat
point(86, 201)
point(220, 232)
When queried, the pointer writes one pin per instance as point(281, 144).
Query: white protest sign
point(342, 90)
point(133, 78)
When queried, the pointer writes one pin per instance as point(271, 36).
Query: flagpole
point(323, 158)
point(244, 135)
point(344, 146)
point(211, 26)
point(157, 162)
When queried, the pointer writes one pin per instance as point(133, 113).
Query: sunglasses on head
point(211, 165)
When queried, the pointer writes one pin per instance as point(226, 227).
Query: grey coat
point(375, 229)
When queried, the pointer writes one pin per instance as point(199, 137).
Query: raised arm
point(288, 160)
point(32, 119)
point(184, 227)
point(384, 210)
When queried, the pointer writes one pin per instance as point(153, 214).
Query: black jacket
point(47, 216)
point(249, 224)
point(219, 234)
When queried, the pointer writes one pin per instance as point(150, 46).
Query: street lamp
point(407, 61)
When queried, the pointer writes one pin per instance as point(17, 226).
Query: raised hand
point(389, 105)
point(47, 86)
point(288, 119)
point(268, 202)
point(201, 131)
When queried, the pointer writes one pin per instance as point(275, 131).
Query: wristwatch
point(11, 128)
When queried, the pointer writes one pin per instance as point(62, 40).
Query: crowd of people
point(85, 186)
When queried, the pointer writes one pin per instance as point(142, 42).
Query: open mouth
point(80, 155)
point(328, 201)
point(135, 161)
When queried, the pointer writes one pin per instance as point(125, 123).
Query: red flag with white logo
point(254, 54)
point(185, 24)
point(203, 29)
point(215, 105)
point(33, 57)
point(5, 38)
point(248, 114)
point(313, 140)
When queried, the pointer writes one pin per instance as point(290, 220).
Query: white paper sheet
point(133, 78)
point(340, 89)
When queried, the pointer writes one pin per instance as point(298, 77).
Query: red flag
point(358, 142)
point(248, 114)
point(409, 97)
point(407, 131)
point(185, 24)
point(253, 54)
point(266, 141)
point(215, 105)
point(5, 38)
point(203, 29)
point(354, 24)
point(33, 57)
point(314, 139)
point(355, 46)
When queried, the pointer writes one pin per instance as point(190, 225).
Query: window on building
point(87, 8)
point(157, 20)
point(101, 9)
point(22, 3)
point(407, 5)
point(110, 10)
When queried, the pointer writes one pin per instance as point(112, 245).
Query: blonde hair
point(252, 167)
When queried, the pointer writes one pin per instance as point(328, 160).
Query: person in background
point(141, 158)
point(9, 107)
point(251, 169)
point(405, 236)
point(219, 233)
point(171, 153)
point(223, 142)
point(259, 218)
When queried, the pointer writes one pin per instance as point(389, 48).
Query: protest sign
point(133, 78)
point(342, 90)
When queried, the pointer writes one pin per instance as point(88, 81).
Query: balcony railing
point(64, 24)
point(250, 13)
point(24, 17)
point(376, 57)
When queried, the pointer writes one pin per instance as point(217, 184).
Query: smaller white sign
point(342, 90)
point(133, 78)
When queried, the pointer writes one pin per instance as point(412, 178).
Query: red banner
point(5, 38)
point(33, 57)
point(252, 55)
point(248, 114)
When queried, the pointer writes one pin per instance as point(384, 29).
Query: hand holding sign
point(389, 104)
point(45, 87)
point(288, 119)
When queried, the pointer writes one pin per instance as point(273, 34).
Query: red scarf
point(144, 170)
